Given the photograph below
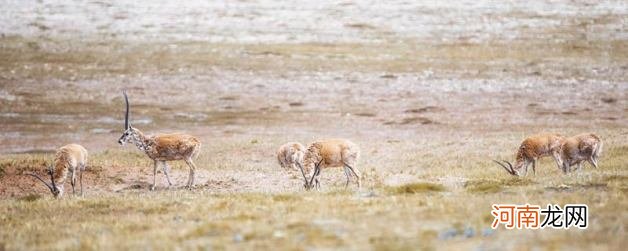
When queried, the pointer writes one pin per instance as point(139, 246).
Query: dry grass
point(426, 215)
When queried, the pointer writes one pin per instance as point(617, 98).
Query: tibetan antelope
point(162, 147)
point(71, 159)
point(579, 148)
point(290, 154)
point(330, 153)
point(533, 148)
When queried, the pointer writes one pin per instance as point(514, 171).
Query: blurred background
point(235, 65)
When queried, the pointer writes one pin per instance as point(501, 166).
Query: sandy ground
point(430, 91)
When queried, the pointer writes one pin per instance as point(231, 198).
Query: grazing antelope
point(162, 147)
point(330, 153)
point(579, 148)
point(533, 148)
point(70, 158)
point(290, 154)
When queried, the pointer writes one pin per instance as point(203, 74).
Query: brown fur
point(174, 146)
point(536, 147)
point(331, 153)
point(577, 149)
point(69, 159)
point(166, 147)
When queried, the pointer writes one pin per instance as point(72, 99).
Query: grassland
point(431, 213)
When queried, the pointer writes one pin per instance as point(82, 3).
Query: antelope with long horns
point(533, 148)
point(330, 153)
point(577, 149)
point(162, 147)
point(71, 159)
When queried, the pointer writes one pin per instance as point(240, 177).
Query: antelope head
point(508, 168)
point(129, 131)
point(56, 192)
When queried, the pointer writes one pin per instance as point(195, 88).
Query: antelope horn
point(126, 115)
point(51, 171)
point(509, 170)
point(317, 171)
point(42, 181)
point(302, 172)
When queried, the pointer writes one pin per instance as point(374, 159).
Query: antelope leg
point(166, 169)
point(152, 188)
point(73, 180)
point(192, 171)
point(348, 174)
point(81, 180)
point(357, 176)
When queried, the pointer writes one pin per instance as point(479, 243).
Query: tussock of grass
point(338, 191)
point(483, 186)
point(243, 217)
point(517, 182)
point(287, 197)
point(30, 197)
point(493, 186)
point(414, 188)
